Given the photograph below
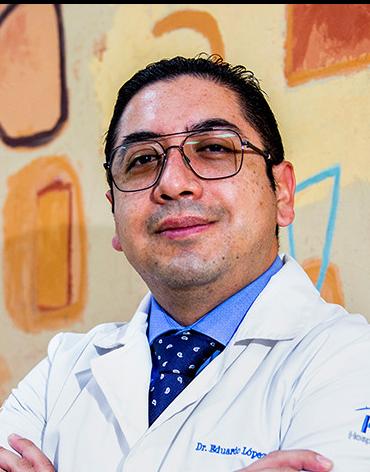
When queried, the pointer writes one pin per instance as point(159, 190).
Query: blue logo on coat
point(366, 424)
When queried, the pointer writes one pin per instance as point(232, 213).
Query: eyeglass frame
point(245, 144)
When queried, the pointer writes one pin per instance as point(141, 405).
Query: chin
point(187, 274)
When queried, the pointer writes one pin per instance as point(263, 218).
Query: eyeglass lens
point(211, 154)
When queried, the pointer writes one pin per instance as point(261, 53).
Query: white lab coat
point(295, 375)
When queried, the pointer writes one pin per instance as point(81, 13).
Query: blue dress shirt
point(222, 321)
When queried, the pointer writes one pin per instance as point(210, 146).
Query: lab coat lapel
point(123, 374)
point(205, 381)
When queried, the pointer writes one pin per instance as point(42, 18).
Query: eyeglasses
point(211, 154)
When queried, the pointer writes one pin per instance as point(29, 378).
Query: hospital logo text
point(358, 437)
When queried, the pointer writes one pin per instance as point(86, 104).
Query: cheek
point(256, 202)
point(128, 219)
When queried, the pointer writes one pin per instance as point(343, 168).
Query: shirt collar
point(221, 322)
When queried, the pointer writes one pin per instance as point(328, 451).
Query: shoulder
point(332, 356)
point(340, 333)
point(322, 335)
point(294, 293)
point(71, 350)
point(71, 343)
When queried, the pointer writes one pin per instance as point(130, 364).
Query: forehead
point(171, 106)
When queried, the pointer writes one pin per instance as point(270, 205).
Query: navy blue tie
point(176, 358)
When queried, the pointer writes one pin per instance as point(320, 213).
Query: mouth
point(183, 227)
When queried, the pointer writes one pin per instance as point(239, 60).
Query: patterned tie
point(176, 358)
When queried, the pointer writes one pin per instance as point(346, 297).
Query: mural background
point(60, 69)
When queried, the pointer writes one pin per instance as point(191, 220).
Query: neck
point(188, 304)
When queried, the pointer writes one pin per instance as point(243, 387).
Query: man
point(233, 354)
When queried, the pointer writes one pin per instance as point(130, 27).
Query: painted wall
point(60, 69)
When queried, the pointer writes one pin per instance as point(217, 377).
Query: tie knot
point(182, 351)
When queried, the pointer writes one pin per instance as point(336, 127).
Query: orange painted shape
point(326, 39)
point(200, 21)
point(45, 246)
point(33, 102)
point(331, 290)
point(53, 246)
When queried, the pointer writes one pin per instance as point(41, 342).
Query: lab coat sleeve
point(24, 411)
point(330, 412)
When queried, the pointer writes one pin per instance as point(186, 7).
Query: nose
point(177, 180)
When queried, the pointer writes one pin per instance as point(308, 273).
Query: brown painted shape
point(5, 378)
point(200, 21)
point(44, 246)
point(33, 96)
point(53, 246)
point(326, 39)
point(331, 290)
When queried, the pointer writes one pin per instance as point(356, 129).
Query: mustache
point(184, 208)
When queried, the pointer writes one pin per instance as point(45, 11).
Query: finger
point(279, 469)
point(299, 459)
point(275, 469)
point(31, 453)
point(11, 462)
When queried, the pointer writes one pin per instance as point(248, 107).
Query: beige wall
point(324, 121)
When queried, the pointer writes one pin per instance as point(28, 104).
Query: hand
point(31, 458)
point(291, 461)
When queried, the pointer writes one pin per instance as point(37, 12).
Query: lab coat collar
point(284, 308)
point(290, 318)
point(125, 332)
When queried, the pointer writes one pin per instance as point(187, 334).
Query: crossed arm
point(349, 391)
point(31, 459)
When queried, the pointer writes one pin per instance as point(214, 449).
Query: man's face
point(187, 232)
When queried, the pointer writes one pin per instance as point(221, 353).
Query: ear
point(115, 241)
point(108, 194)
point(285, 188)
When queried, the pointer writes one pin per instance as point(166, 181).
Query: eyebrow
point(214, 123)
point(199, 126)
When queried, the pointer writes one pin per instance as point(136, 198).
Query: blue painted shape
point(331, 172)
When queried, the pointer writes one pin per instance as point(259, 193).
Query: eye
point(214, 148)
point(142, 161)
